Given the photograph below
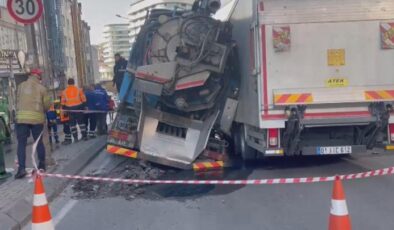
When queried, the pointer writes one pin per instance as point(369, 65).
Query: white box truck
point(310, 77)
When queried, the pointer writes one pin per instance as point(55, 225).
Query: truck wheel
point(240, 145)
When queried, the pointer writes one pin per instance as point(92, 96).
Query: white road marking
point(70, 205)
point(64, 211)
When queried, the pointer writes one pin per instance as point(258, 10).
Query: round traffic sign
point(25, 11)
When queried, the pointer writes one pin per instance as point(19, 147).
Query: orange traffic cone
point(339, 215)
point(41, 216)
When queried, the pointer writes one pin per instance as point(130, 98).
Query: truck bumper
point(117, 150)
point(199, 166)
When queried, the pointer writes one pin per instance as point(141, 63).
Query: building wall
point(116, 37)
point(68, 44)
point(12, 37)
point(106, 73)
point(87, 51)
point(95, 64)
point(12, 34)
point(76, 13)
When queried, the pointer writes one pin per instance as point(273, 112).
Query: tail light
point(273, 137)
point(391, 132)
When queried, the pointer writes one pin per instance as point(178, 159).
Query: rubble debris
point(126, 170)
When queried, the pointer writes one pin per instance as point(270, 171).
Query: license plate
point(334, 150)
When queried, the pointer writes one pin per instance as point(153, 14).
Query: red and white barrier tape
point(302, 180)
point(85, 111)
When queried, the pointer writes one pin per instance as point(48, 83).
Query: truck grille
point(170, 130)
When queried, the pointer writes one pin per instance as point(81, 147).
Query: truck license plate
point(334, 150)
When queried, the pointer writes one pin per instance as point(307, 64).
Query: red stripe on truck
point(190, 84)
point(320, 115)
point(303, 97)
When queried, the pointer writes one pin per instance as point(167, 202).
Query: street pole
point(12, 85)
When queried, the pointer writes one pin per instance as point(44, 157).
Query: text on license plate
point(334, 150)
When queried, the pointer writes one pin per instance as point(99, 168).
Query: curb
point(19, 214)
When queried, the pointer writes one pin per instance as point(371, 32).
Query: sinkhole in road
point(133, 169)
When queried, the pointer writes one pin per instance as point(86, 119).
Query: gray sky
point(101, 12)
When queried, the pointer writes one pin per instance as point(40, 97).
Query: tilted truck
point(271, 78)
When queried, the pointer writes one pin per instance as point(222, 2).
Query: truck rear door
point(333, 58)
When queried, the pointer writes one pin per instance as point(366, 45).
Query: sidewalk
point(16, 195)
point(10, 153)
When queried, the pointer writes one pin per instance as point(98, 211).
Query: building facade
point(106, 73)
point(139, 8)
point(70, 63)
point(116, 37)
point(76, 15)
point(87, 51)
point(95, 64)
point(116, 40)
point(12, 40)
point(12, 34)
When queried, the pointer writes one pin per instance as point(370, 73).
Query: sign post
point(25, 11)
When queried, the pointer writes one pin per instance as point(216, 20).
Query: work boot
point(66, 142)
point(75, 138)
point(20, 174)
point(41, 166)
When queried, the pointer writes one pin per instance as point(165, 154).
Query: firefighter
point(74, 100)
point(32, 103)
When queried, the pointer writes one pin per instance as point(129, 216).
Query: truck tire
point(240, 145)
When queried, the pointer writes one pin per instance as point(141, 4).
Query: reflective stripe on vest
point(30, 116)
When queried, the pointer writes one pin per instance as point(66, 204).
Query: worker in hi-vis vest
point(73, 103)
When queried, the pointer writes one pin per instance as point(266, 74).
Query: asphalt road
point(370, 201)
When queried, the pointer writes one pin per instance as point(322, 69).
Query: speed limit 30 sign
point(25, 11)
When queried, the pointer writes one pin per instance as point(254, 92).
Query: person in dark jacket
point(119, 71)
point(91, 115)
point(111, 109)
point(52, 125)
point(102, 106)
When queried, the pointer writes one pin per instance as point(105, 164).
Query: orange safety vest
point(63, 117)
point(72, 96)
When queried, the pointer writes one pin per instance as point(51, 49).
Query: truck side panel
point(243, 17)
